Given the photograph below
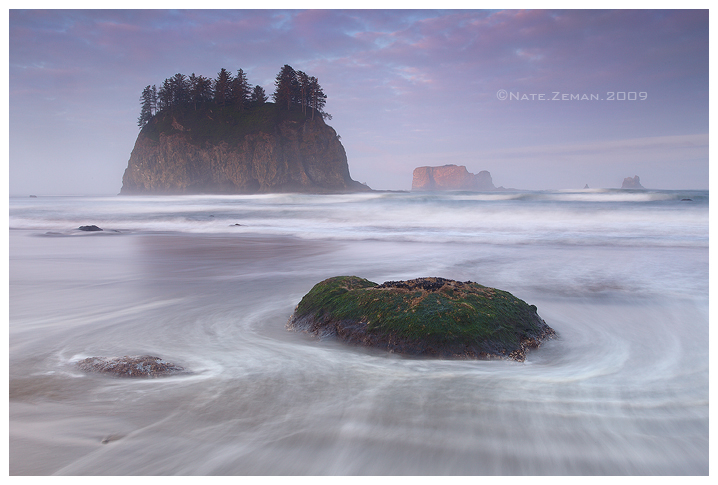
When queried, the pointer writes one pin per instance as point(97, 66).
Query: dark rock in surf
point(431, 317)
point(687, 200)
point(89, 228)
point(131, 366)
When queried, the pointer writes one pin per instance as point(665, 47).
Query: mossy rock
point(433, 317)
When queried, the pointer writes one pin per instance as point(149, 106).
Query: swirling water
point(622, 276)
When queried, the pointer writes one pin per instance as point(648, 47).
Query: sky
point(542, 99)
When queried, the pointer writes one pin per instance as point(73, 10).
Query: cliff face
point(208, 153)
point(450, 177)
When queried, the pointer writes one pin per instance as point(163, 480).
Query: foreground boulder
point(131, 366)
point(433, 317)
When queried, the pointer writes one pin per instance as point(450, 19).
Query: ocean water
point(621, 275)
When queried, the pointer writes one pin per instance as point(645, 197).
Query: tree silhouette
point(304, 90)
point(317, 98)
point(200, 89)
point(258, 96)
point(165, 95)
point(146, 110)
point(153, 98)
point(241, 90)
point(223, 87)
point(180, 89)
point(286, 87)
point(292, 88)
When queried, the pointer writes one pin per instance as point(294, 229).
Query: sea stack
point(219, 150)
point(450, 177)
point(632, 183)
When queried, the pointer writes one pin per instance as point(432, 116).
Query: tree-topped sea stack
point(433, 317)
point(221, 136)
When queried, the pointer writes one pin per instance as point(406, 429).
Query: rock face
point(433, 317)
point(632, 183)
point(131, 366)
point(450, 177)
point(220, 151)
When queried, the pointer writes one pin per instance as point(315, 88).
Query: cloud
point(663, 145)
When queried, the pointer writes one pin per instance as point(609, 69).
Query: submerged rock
point(433, 317)
point(131, 366)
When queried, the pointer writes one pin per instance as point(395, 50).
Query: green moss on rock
point(425, 316)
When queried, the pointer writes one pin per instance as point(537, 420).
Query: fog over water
point(622, 276)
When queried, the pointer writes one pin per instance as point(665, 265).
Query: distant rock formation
point(450, 177)
point(220, 151)
point(632, 183)
point(586, 186)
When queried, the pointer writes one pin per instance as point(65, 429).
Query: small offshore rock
point(131, 366)
point(89, 228)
